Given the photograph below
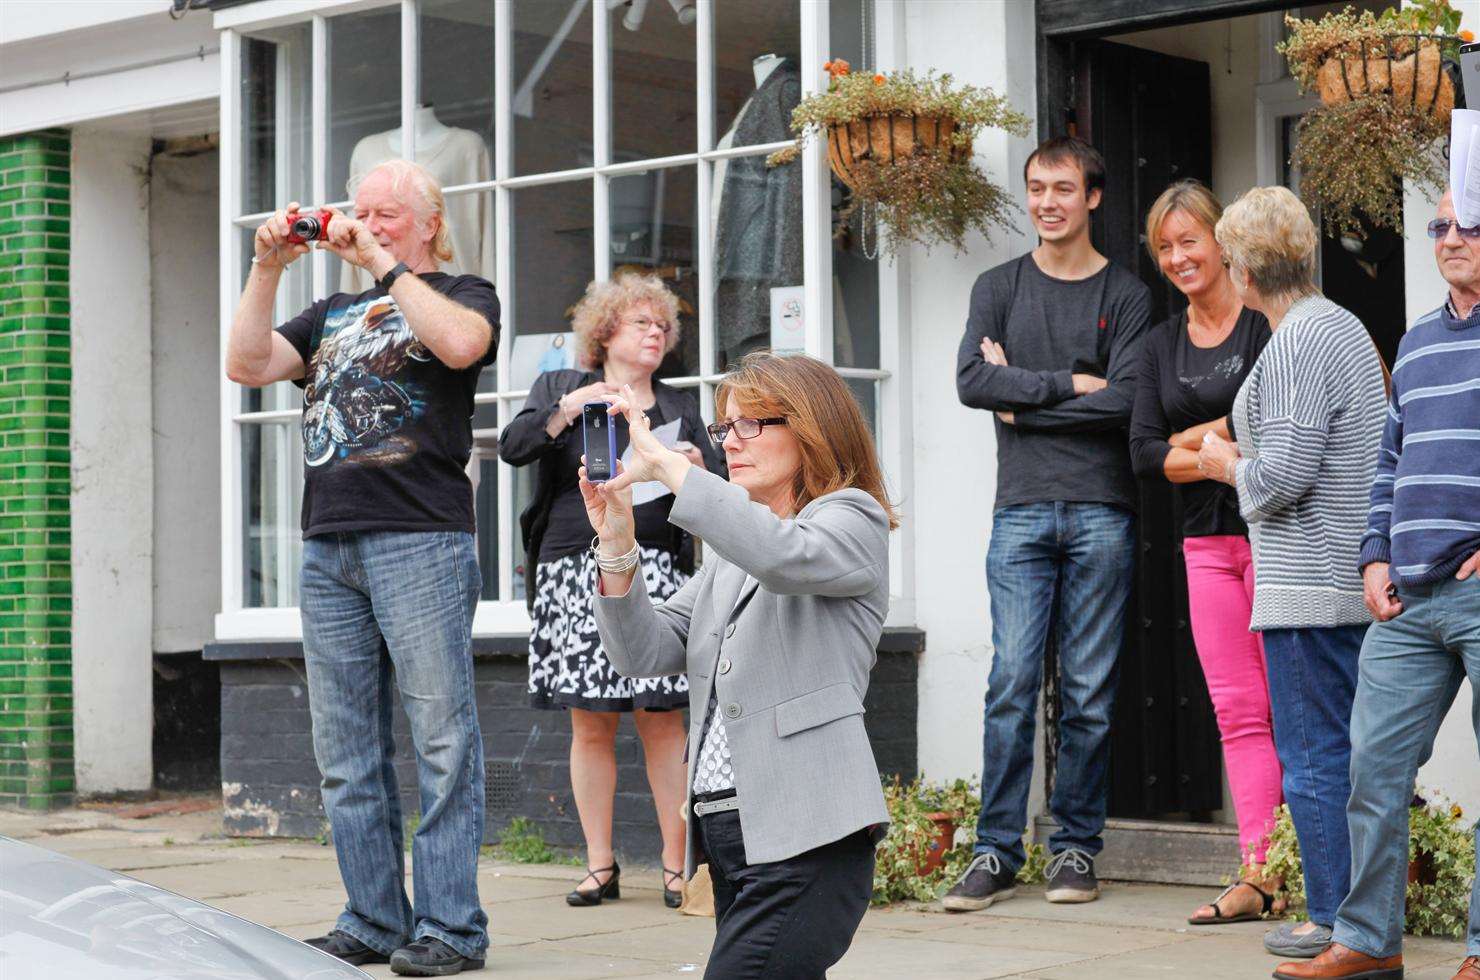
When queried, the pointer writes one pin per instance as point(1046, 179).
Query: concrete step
point(1162, 852)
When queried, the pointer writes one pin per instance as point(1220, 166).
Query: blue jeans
point(373, 600)
point(1312, 679)
point(1083, 554)
point(1411, 670)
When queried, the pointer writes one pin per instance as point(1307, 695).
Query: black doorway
point(1148, 113)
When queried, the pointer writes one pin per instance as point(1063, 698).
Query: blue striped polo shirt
point(1425, 512)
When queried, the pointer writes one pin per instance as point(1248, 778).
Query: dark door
point(1148, 114)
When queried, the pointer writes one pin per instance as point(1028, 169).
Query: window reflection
point(552, 253)
point(652, 231)
point(654, 78)
point(276, 160)
point(272, 498)
point(552, 84)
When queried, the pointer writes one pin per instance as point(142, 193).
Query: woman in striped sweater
point(1307, 422)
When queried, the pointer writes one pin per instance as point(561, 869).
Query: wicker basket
point(886, 139)
point(1407, 68)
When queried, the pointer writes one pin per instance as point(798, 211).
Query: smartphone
point(1469, 73)
point(600, 437)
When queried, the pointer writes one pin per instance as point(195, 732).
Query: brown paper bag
point(698, 894)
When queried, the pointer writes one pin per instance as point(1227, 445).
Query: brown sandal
point(1219, 919)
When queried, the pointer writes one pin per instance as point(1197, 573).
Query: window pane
point(552, 84)
point(272, 499)
point(756, 47)
point(855, 274)
point(364, 105)
point(484, 472)
point(293, 297)
point(523, 495)
point(866, 390)
point(654, 79)
point(552, 252)
point(276, 160)
point(757, 220)
point(652, 231)
point(454, 131)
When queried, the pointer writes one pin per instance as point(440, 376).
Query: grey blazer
point(789, 660)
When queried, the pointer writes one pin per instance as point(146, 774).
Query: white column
point(112, 464)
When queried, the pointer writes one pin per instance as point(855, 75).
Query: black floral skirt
point(567, 667)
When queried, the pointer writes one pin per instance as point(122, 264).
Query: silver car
point(61, 919)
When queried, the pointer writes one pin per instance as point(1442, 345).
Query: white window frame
point(507, 615)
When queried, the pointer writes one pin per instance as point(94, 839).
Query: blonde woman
point(623, 328)
point(1192, 365)
point(1307, 421)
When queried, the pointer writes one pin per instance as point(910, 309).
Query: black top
point(387, 428)
point(1183, 385)
point(1061, 446)
point(567, 530)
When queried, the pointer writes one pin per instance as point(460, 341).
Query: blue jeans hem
point(352, 925)
point(1352, 941)
point(461, 945)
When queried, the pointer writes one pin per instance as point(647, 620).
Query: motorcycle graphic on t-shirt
point(356, 399)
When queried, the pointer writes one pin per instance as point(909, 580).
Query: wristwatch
point(385, 281)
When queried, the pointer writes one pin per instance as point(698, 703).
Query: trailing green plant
point(1354, 157)
point(935, 194)
point(1444, 845)
point(897, 875)
point(1440, 844)
point(1386, 103)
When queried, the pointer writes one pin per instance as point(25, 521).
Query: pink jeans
point(1220, 588)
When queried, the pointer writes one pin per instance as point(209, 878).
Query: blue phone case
point(593, 460)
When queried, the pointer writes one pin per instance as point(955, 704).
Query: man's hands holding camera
point(346, 237)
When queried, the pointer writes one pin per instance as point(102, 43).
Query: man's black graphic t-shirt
point(387, 428)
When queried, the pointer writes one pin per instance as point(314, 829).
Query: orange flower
point(837, 68)
point(878, 79)
point(1467, 36)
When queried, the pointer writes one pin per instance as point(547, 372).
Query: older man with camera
point(390, 575)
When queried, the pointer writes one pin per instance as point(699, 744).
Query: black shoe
point(672, 897)
point(1071, 877)
point(431, 957)
point(347, 948)
point(984, 882)
point(603, 890)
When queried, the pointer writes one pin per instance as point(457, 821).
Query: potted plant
point(902, 143)
point(1387, 93)
point(912, 860)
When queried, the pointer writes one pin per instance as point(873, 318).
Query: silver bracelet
point(616, 565)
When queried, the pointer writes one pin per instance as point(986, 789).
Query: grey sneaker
point(984, 882)
point(1285, 942)
point(1071, 877)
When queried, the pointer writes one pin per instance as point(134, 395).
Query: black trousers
point(784, 920)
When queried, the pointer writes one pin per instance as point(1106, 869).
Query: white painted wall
point(112, 471)
point(955, 447)
point(184, 299)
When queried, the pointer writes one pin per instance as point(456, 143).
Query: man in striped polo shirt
point(1421, 572)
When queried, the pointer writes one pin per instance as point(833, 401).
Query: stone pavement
point(1133, 932)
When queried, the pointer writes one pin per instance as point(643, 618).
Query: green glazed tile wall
point(35, 471)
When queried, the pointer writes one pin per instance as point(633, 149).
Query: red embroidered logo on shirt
point(1102, 323)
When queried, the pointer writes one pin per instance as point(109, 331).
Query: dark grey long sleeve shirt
point(1060, 446)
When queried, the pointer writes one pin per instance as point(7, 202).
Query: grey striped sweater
point(1308, 420)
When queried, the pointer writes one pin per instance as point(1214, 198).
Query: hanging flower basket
point(888, 139)
point(1408, 69)
point(1387, 88)
point(901, 143)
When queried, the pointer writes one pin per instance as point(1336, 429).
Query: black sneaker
point(1071, 877)
point(984, 882)
point(347, 948)
point(431, 957)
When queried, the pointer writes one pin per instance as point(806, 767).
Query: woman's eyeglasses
point(744, 428)
point(1439, 229)
point(644, 324)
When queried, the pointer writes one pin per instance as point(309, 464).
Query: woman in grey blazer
point(777, 633)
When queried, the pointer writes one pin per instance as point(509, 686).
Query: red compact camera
point(312, 226)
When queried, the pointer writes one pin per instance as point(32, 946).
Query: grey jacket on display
point(759, 235)
point(788, 657)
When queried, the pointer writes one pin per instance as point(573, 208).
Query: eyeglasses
point(644, 324)
point(1439, 229)
point(744, 428)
